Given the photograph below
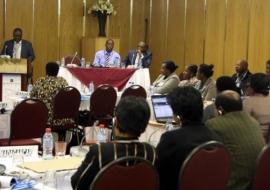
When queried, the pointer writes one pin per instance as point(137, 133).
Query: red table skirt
point(112, 76)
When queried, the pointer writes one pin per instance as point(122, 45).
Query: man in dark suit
point(131, 118)
point(175, 145)
point(19, 48)
point(140, 57)
point(242, 75)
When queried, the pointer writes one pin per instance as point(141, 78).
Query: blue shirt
point(106, 59)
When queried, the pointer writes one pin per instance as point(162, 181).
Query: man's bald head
point(241, 66)
point(229, 101)
point(142, 47)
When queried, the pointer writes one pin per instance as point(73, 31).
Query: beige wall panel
point(215, 33)
point(195, 32)
point(259, 46)
point(138, 22)
point(19, 14)
point(1, 23)
point(46, 42)
point(71, 27)
point(157, 36)
point(176, 33)
point(236, 33)
point(119, 25)
point(91, 23)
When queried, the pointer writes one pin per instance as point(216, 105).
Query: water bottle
point(83, 62)
point(169, 125)
point(91, 87)
point(151, 90)
point(29, 87)
point(47, 142)
point(62, 63)
point(101, 134)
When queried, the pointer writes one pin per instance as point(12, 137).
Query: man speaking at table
point(107, 57)
point(20, 49)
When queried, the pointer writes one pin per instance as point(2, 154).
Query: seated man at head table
point(175, 145)
point(241, 135)
point(45, 88)
point(131, 118)
point(140, 57)
point(107, 57)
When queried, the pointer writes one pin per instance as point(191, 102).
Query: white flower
point(103, 6)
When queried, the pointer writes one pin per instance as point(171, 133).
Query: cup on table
point(60, 148)
point(49, 180)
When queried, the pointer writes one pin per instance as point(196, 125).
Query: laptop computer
point(162, 110)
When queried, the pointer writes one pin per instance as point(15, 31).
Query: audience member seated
point(206, 85)
point(168, 79)
point(139, 58)
point(45, 88)
point(190, 76)
point(175, 145)
point(242, 75)
point(257, 104)
point(132, 115)
point(223, 83)
point(241, 135)
point(107, 57)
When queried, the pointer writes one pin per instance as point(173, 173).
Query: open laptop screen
point(161, 108)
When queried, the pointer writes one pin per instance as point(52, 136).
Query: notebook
point(162, 110)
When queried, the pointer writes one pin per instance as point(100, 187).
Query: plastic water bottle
point(29, 87)
point(47, 142)
point(62, 63)
point(101, 133)
point(151, 90)
point(83, 62)
point(91, 87)
point(169, 125)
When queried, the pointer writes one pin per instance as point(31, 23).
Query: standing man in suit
point(20, 49)
point(139, 57)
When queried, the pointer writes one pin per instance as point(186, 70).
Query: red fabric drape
point(113, 76)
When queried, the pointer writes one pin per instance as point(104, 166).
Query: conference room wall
point(56, 27)
point(216, 32)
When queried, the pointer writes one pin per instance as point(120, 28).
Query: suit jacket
point(165, 86)
point(27, 51)
point(241, 135)
point(146, 60)
point(244, 80)
point(174, 147)
point(208, 89)
point(101, 154)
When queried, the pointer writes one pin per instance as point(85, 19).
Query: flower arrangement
point(102, 6)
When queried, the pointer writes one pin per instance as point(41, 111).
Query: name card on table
point(30, 152)
point(23, 94)
point(3, 105)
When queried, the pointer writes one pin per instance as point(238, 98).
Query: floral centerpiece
point(101, 9)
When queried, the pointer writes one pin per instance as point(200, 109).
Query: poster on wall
point(11, 83)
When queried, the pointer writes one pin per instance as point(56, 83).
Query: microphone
point(73, 57)
point(5, 50)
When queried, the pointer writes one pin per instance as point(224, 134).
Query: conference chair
point(102, 104)
point(28, 121)
point(134, 90)
point(206, 167)
point(262, 173)
point(65, 107)
point(130, 173)
point(72, 60)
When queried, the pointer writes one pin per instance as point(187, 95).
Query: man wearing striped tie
point(107, 57)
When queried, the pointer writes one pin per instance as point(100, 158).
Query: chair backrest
point(262, 173)
point(28, 120)
point(134, 90)
point(102, 101)
point(66, 103)
point(76, 60)
point(130, 173)
point(206, 167)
